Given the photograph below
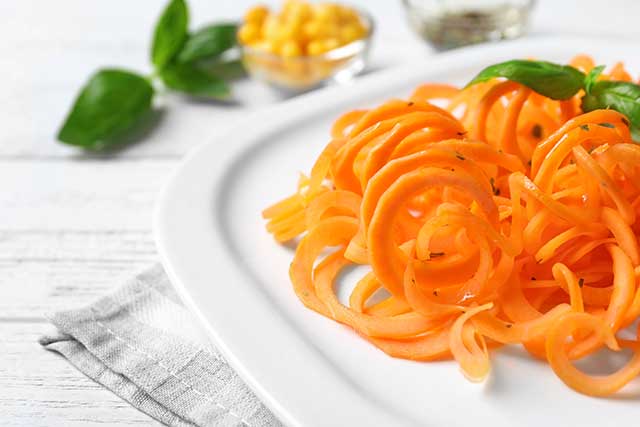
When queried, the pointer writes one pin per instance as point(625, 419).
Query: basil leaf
point(170, 33)
point(111, 102)
point(208, 42)
point(226, 70)
point(623, 97)
point(592, 77)
point(192, 80)
point(551, 80)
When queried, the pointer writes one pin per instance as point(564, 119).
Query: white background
point(72, 226)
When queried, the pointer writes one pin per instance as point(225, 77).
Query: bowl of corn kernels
point(304, 45)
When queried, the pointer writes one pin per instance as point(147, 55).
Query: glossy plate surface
point(310, 370)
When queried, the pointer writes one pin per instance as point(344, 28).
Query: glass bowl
point(302, 73)
point(448, 24)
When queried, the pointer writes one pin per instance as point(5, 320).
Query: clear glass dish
point(302, 73)
point(448, 24)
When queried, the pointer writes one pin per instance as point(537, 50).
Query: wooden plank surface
point(44, 271)
point(41, 389)
point(83, 194)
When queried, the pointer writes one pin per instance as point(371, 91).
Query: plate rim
point(165, 235)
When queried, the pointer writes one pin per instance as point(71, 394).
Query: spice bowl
point(447, 24)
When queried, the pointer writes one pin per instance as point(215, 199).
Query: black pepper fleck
point(536, 131)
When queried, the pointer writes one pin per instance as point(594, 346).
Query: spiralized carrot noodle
point(487, 216)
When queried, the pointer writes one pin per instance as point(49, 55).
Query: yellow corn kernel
point(248, 33)
point(311, 30)
point(264, 45)
point(326, 12)
point(303, 12)
point(331, 43)
point(256, 14)
point(351, 33)
point(270, 27)
point(290, 5)
point(348, 15)
point(315, 47)
point(293, 29)
point(290, 48)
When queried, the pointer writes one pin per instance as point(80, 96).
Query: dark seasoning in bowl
point(450, 24)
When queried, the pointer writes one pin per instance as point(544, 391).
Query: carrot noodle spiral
point(488, 215)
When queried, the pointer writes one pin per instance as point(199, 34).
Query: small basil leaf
point(110, 103)
point(551, 80)
point(623, 97)
point(170, 33)
point(208, 42)
point(227, 70)
point(192, 80)
point(592, 77)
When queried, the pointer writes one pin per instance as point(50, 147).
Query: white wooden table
point(72, 225)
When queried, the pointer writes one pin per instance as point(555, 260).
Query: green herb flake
point(606, 125)
point(584, 128)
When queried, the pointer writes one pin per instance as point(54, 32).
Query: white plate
point(308, 369)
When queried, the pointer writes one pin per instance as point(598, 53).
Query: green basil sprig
point(113, 101)
point(192, 80)
point(563, 81)
point(551, 80)
point(208, 42)
point(623, 97)
point(110, 103)
point(592, 77)
point(170, 33)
